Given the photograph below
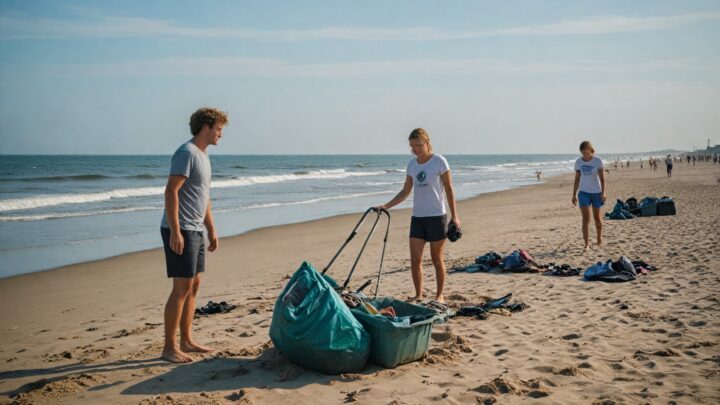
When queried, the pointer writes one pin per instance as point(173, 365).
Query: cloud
point(278, 68)
point(612, 24)
point(24, 27)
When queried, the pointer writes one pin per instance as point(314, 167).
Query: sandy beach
point(92, 332)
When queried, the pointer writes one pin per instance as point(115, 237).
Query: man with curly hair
point(187, 214)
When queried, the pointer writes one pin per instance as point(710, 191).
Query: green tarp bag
point(313, 328)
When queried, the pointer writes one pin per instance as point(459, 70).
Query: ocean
point(60, 210)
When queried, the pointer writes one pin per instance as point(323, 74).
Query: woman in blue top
point(429, 174)
point(590, 181)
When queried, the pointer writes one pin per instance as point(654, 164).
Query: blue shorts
point(587, 199)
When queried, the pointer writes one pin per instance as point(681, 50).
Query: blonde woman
point(590, 182)
point(429, 174)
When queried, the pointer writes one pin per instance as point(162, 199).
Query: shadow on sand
point(268, 370)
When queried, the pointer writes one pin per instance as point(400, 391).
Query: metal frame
point(362, 249)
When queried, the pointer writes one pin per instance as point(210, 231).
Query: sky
point(355, 77)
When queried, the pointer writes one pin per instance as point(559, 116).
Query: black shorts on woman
point(430, 229)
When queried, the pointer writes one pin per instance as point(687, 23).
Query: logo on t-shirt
point(421, 176)
point(586, 169)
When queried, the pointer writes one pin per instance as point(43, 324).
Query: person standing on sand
point(429, 173)
point(590, 182)
point(187, 213)
point(669, 165)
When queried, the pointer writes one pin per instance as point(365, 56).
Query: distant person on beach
point(589, 190)
point(669, 165)
point(429, 175)
point(688, 159)
point(538, 173)
point(187, 214)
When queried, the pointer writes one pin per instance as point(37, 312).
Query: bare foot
point(175, 356)
point(414, 299)
point(440, 299)
point(586, 248)
point(192, 347)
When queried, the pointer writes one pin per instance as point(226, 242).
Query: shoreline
point(249, 231)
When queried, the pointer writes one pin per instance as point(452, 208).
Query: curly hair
point(206, 116)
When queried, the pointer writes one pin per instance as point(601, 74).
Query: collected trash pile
point(520, 261)
point(647, 207)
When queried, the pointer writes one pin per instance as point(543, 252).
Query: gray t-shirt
point(194, 164)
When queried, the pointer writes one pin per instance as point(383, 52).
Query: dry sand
point(91, 333)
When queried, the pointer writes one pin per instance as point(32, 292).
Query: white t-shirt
point(428, 191)
point(589, 178)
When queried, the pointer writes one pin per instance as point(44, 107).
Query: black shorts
point(431, 229)
point(192, 260)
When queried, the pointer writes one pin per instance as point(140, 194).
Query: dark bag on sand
point(620, 211)
point(666, 206)
point(648, 207)
point(633, 206)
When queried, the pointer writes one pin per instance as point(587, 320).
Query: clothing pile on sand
point(520, 261)
point(499, 306)
point(214, 308)
point(620, 270)
point(560, 270)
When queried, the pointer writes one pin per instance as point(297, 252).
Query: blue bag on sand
point(598, 269)
point(648, 207)
point(313, 327)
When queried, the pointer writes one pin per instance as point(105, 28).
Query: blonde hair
point(586, 145)
point(422, 135)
